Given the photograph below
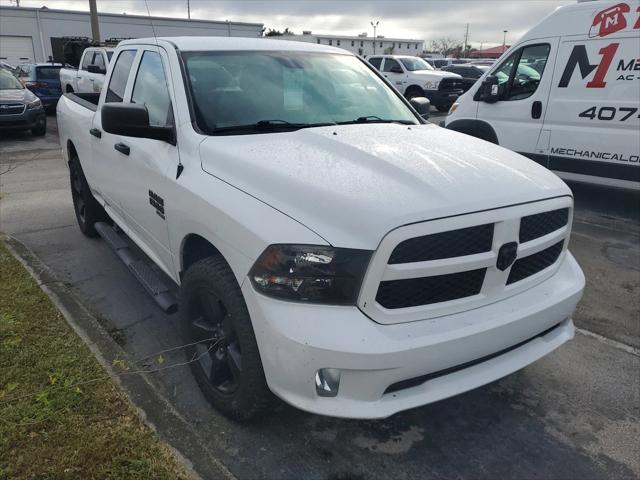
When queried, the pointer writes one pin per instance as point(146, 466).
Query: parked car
point(330, 246)
point(486, 62)
point(89, 77)
point(20, 109)
point(43, 79)
point(469, 73)
point(566, 95)
point(413, 77)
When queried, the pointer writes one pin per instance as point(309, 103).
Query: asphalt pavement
point(573, 414)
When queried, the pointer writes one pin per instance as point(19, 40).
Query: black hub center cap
point(507, 255)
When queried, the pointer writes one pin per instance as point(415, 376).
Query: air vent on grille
point(540, 224)
point(455, 243)
point(11, 108)
point(426, 290)
point(527, 266)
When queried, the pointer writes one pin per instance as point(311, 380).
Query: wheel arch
point(476, 128)
point(72, 152)
point(195, 247)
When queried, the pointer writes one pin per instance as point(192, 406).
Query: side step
point(149, 279)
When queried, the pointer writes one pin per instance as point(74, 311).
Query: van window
point(376, 62)
point(150, 89)
point(119, 76)
point(522, 81)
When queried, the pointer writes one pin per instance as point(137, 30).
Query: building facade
point(362, 45)
point(26, 33)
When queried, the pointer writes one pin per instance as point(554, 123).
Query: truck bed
point(87, 100)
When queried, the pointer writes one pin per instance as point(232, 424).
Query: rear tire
point(41, 127)
point(225, 362)
point(88, 210)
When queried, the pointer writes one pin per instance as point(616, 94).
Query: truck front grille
point(450, 85)
point(541, 224)
point(454, 264)
point(455, 243)
point(527, 266)
point(427, 290)
point(11, 108)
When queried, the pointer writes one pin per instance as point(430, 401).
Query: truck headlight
point(35, 104)
point(431, 85)
point(310, 273)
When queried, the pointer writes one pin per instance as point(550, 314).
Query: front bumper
point(296, 340)
point(28, 119)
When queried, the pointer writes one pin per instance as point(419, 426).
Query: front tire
point(223, 352)
point(87, 209)
point(413, 92)
point(41, 127)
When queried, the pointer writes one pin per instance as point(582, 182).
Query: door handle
point(536, 109)
point(96, 133)
point(122, 148)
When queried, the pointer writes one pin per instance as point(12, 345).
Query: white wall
point(363, 45)
point(56, 23)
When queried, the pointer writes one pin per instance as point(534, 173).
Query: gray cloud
point(420, 19)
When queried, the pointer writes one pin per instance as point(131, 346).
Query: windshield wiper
point(269, 125)
point(375, 119)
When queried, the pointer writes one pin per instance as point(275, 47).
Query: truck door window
point(98, 61)
point(390, 65)
point(87, 60)
point(150, 89)
point(119, 76)
point(525, 78)
point(376, 62)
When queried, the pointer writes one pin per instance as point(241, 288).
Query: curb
point(155, 410)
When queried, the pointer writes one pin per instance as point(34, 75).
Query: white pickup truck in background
point(89, 77)
point(329, 245)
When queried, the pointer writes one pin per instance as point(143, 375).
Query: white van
point(567, 95)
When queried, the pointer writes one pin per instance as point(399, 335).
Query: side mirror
point(422, 105)
point(489, 90)
point(132, 120)
point(396, 70)
point(95, 69)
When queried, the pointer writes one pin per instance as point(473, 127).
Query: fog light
point(327, 382)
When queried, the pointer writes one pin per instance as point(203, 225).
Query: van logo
point(609, 20)
point(507, 255)
point(579, 59)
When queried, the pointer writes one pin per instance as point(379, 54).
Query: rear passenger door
point(393, 71)
point(85, 85)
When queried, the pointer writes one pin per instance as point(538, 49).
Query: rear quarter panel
point(74, 122)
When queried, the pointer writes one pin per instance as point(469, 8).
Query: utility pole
point(466, 42)
point(504, 40)
point(188, 10)
point(375, 26)
point(95, 26)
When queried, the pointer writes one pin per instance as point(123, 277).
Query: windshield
point(287, 89)
point(414, 64)
point(8, 81)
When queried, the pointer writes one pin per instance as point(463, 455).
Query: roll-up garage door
point(16, 50)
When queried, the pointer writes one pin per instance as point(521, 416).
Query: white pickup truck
point(89, 77)
point(328, 244)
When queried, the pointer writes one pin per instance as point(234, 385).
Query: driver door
point(524, 80)
point(393, 71)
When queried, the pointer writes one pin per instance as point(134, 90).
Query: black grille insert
point(454, 243)
point(11, 108)
point(540, 224)
point(413, 292)
point(527, 266)
point(450, 84)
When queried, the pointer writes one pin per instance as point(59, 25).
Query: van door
point(524, 80)
point(594, 111)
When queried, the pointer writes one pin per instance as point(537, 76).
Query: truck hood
point(352, 184)
point(439, 74)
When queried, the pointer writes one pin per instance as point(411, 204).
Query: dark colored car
point(469, 73)
point(20, 109)
point(43, 79)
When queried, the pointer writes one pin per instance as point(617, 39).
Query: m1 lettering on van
point(637, 25)
point(610, 20)
point(579, 58)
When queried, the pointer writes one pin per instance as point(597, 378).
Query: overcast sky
point(419, 19)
